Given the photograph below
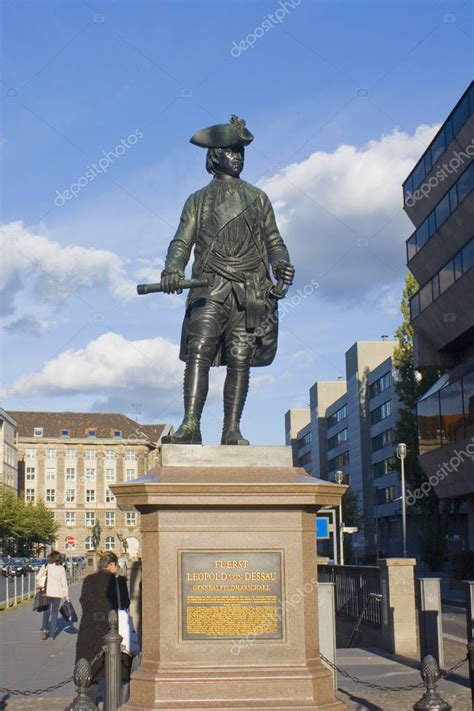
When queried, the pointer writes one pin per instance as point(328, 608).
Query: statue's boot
point(235, 392)
point(196, 385)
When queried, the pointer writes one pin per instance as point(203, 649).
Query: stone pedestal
point(230, 613)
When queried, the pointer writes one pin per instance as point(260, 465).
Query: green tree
point(24, 526)
point(410, 385)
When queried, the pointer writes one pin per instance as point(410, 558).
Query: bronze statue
point(96, 533)
point(231, 314)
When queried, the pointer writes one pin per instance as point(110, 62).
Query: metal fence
point(14, 591)
point(353, 586)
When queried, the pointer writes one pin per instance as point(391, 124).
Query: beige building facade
point(70, 460)
point(8, 452)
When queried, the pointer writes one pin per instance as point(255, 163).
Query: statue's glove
point(170, 279)
point(284, 270)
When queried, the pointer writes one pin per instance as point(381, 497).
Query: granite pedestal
point(230, 614)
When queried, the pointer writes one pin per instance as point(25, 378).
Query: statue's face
point(230, 161)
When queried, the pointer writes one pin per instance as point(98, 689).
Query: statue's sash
point(240, 200)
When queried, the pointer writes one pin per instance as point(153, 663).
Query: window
point(70, 496)
point(305, 440)
point(64, 434)
point(110, 543)
point(130, 474)
point(89, 544)
point(109, 497)
point(468, 394)
point(38, 432)
point(385, 496)
point(91, 434)
point(110, 475)
point(30, 473)
point(50, 474)
point(337, 416)
point(109, 454)
point(338, 438)
point(131, 454)
point(382, 440)
point(305, 459)
point(70, 474)
point(50, 454)
point(452, 418)
point(90, 518)
point(117, 434)
point(30, 496)
point(90, 474)
point(380, 385)
point(89, 453)
point(381, 413)
point(386, 466)
point(131, 518)
point(31, 453)
point(69, 546)
point(50, 496)
point(110, 518)
point(70, 518)
point(70, 453)
point(90, 496)
point(342, 460)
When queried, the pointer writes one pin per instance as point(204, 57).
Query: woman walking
point(101, 592)
point(52, 579)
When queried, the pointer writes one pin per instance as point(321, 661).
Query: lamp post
point(401, 454)
point(339, 478)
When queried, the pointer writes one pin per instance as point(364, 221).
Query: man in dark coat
point(101, 592)
point(234, 320)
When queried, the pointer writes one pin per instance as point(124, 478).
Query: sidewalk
point(28, 662)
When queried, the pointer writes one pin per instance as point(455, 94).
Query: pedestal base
point(230, 615)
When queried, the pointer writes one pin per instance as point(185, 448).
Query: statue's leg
point(202, 342)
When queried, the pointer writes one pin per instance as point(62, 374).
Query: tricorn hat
point(223, 135)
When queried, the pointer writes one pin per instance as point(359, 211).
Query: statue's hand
point(170, 279)
point(284, 270)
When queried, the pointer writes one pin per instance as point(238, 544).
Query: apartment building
point(439, 200)
point(8, 452)
point(69, 460)
point(351, 425)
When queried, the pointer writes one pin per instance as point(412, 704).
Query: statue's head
point(225, 143)
point(229, 161)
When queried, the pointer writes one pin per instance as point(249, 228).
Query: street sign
point(322, 527)
point(71, 541)
point(350, 529)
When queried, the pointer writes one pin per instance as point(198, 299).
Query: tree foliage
point(24, 526)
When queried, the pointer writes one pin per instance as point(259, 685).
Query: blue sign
point(322, 527)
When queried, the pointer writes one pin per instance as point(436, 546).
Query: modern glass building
point(439, 200)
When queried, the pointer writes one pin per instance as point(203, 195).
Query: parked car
point(14, 568)
point(36, 563)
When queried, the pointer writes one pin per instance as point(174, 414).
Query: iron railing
point(354, 585)
point(14, 591)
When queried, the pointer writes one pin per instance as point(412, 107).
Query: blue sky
point(342, 98)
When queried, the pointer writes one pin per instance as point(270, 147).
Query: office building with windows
point(439, 200)
point(351, 424)
point(69, 460)
point(8, 453)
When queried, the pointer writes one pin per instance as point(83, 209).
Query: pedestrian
point(101, 592)
point(52, 579)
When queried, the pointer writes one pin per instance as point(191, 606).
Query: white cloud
point(51, 272)
point(341, 213)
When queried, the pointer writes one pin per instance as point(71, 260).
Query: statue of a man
point(96, 533)
point(234, 320)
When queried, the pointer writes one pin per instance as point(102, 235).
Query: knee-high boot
point(235, 392)
point(196, 385)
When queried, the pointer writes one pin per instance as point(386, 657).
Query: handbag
point(68, 612)
point(126, 630)
point(40, 602)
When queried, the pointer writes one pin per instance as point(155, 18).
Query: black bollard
point(431, 699)
point(82, 680)
point(113, 660)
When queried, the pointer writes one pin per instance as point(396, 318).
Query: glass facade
point(447, 415)
point(451, 272)
point(450, 129)
point(446, 206)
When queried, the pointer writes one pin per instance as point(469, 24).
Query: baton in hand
point(183, 284)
